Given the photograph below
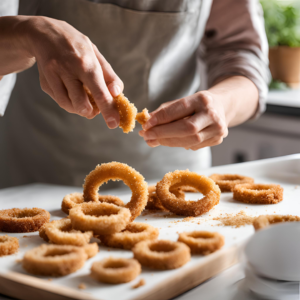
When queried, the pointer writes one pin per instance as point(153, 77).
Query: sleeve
point(7, 8)
point(235, 43)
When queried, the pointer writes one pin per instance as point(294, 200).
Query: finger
point(208, 143)
point(153, 143)
point(78, 97)
point(113, 82)
point(94, 81)
point(44, 83)
point(174, 111)
point(180, 128)
point(60, 93)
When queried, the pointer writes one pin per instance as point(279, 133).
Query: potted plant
point(282, 23)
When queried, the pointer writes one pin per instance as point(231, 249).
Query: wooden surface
point(14, 281)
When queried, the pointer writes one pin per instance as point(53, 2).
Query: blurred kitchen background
point(277, 131)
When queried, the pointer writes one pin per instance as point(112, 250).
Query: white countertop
point(289, 98)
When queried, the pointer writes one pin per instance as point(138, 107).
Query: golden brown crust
point(161, 254)
point(118, 171)
point(266, 220)
point(23, 220)
point(258, 193)
point(54, 260)
point(127, 113)
point(101, 218)
point(143, 117)
point(202, 242)
point(71, 200)
point(133, 234)
point(8, 245)
point(227, 182)
point(203, 184)
point(115, 270)
point(91, 250)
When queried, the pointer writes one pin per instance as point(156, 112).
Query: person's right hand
point(67, 60)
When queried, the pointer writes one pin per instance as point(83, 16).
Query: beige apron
point(152, 46)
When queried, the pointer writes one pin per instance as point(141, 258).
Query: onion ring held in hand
point(266, 220)
point(227, 182)
point(202, 242)
point(8, 245)
point(23, 220)
point(61, 232)
point(71, 200)
point(115, 270)
point(133, 234)
point(127, 113)
point(203, 184)
point(118, 171)
point(54, 260)
point(143, 116)
point(258, 193)
point(101, 218)
point(162, 254)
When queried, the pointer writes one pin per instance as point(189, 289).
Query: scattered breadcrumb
point(82, 286)
point(140, 283)
point(18, 260)
point(235, 220)
point(49, 279)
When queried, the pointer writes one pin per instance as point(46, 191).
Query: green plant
point(282, 23)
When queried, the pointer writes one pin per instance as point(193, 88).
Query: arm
point(236, 56)
point(66, 60)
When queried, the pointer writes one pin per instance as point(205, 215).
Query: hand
point(193, 122)
point(67, 60)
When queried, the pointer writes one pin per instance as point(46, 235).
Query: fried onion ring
point(91, 250)
point(227, 182)
point(8, 245)
point(203, 184)
point(73, 199)
point(61, 232)
point(115, 270)
point(258, 193)
point(127, 113)
point(202, 242)
point(23, 220)
point(118, 171)
point(143, 116)
point(161, 254)
point(101, 218)
point(131, 235)
point(54, 260)
point(266, 220)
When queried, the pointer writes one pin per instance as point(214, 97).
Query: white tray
point(15, 282)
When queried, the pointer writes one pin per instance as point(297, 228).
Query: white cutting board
point(159, 284)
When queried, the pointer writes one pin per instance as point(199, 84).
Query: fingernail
point(112, 123)
point(151, 122)
point(115, 90)
point(149, 135)
point(84, 111)
point(153, 143)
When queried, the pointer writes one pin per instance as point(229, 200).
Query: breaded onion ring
point(96, 110)
point(118, 171)
point(161, 254)
point(73, 199)
point(54, 260)
point(203, 184)
point(61, 232)
point(115, 270)
point(143, 116)
point(258, 193)
point(266, 220)
point(8, 245)
point(154, 202)
point(227, 182)
point(101, 218)
point(182, 188)
point(91, 250)
point(23, 220)
point(127, 113)
point(202, 242)
point(131, 235)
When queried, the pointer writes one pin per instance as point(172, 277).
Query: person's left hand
point(192, 122)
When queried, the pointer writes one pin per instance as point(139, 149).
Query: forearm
point(239, 97)
point(14, 56)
